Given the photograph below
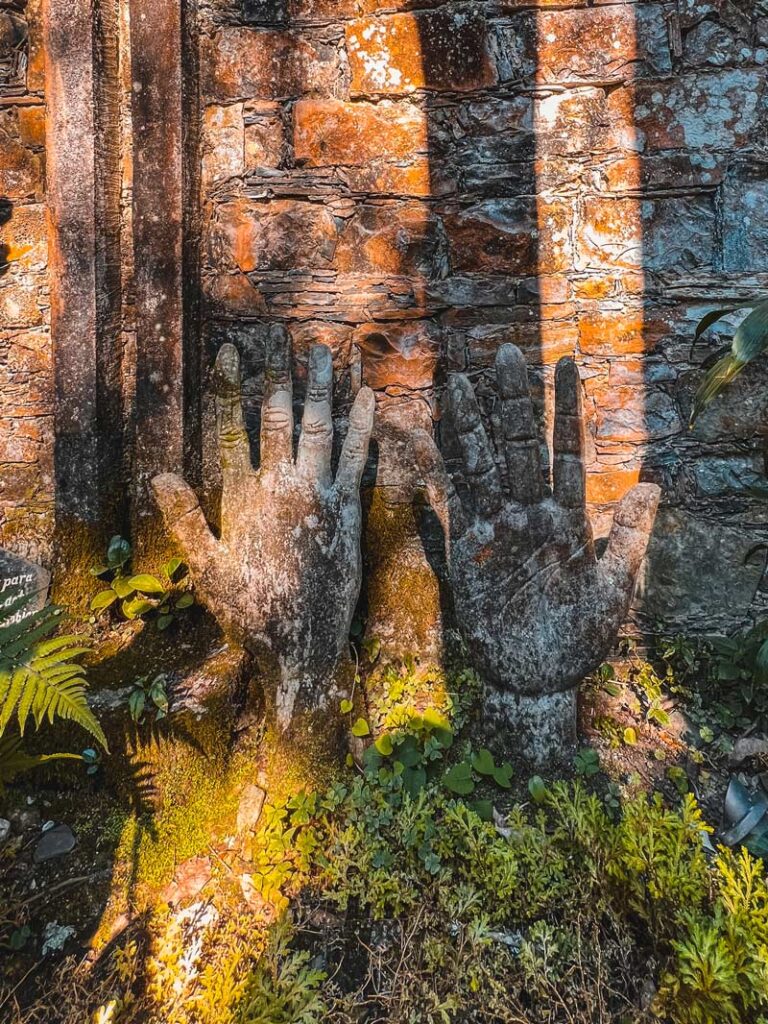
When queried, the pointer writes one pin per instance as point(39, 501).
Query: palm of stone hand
point(538, 609)
point(284, 575)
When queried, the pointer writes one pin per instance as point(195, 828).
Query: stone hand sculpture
point(284, 575)
point(538, 609)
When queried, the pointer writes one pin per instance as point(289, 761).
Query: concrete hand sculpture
point(538, 609)
point(285, 574)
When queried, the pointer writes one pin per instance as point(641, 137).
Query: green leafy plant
point(149, 693)
point(749, 341)
point(39, 676)
point(40, 681)
point(587, 762)
point(140, 594)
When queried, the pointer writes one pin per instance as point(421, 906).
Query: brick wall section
point(579, 177)
point(26, 388)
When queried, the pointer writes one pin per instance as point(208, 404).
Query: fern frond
point(14, 759)
point(39, 677)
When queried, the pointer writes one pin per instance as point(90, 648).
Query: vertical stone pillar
point(158, 222)
point(83, 214)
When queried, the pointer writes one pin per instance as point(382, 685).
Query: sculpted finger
point(277, 410)
point(316, 441)
point(477, 455)
point(628, 542)
point(440, 490)
point(521, 445)
point(568, 472)
point(354, 451)
point(234, 450)
point(186, 523)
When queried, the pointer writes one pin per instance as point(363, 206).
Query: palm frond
point(749, 341)
point(718, 378)
point(14, 760)
point(39, 677)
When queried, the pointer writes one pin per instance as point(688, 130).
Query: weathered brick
point(392, 238)
point(223, 151)
point(329, 132)
point(20, 169)
point(24, 238)
point(611, 331)
point(609, 234)
point(745, 218)
point(601, 43)
point(265, 142)
point(443, 49)
point(26, 374)
point(515, 236)
point(283, 234)
point(702, 112)
point(398, 356)
point(610, 485)
point(249, 63)
point(32, 126)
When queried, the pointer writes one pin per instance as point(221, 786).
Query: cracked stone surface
point(283, 577)
point(538, 609)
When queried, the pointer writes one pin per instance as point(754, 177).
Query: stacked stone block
point(26, 374)
point(580, 178)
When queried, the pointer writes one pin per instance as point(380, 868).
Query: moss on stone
point(404, 598)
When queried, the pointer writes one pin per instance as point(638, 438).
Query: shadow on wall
point(700, 106)
point(424, 185)
point(6, 210)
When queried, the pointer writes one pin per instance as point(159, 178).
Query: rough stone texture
point(538, 609)
point(26, 374)
point(578, 178)
point(284, 576)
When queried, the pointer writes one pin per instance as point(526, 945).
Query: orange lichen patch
point(234, 293)
point(384, 178)
point(329, 132)
point(284, 234)
point(611, 332)
point(622, 175)
point(389, 238)
point(400, 53)
point(579, 45)
point(557, 340)
point(32, 126)
point(398, 354)
point(610, 233)
point(610, 485)
point(20, 170)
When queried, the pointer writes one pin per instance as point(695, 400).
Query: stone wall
point(26, 375)
point(415, 183)
point(581, 178)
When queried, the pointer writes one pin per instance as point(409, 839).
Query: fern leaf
point(39, 677)
point(14, 760)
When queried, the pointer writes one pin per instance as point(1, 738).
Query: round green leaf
point(345, 706)
point(164, 621)
point(384, 744)
point(185, 601)
point(136, 607)
point(538, 789)
point(459, 779)
point(147, 584)
point(361, 728)
point(103, 600)
point(502, 775)
point(630, 736)
point(483, 762)
point(123, 586)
